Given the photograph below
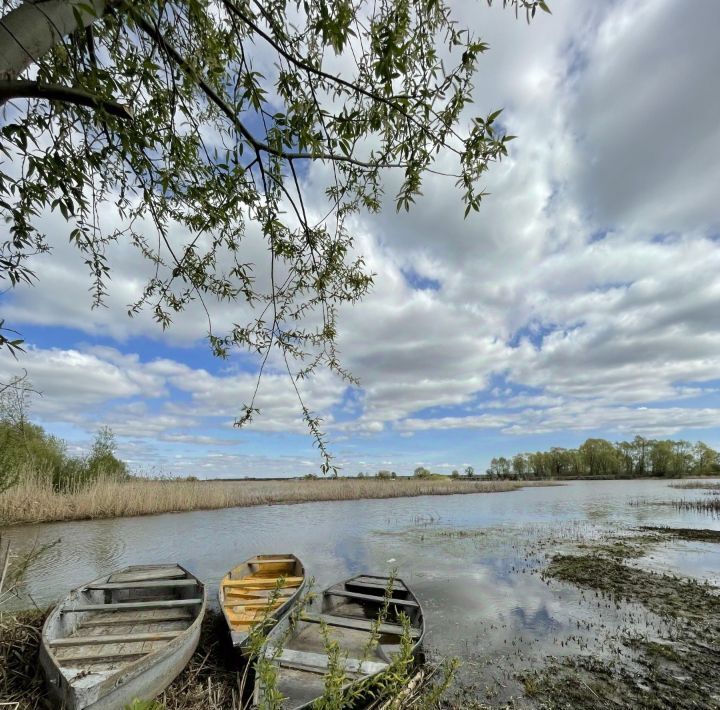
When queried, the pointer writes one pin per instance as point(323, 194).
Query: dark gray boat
point(348, 610)
point(123, 636)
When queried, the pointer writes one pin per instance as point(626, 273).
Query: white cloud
point(588, 283)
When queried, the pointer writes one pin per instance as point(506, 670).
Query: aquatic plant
point(703, 505)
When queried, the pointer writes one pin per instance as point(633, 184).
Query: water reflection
point(472, 560)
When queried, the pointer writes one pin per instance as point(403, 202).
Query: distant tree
point(455, 474)
point(361, 475)
point(102, 461)
point(519, 465)
point(393, 474)
point(385, 475)
point(706, 460)
point(422, 472)
point(469, 471)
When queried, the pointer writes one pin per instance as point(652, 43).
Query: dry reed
point(20, 679)
point(35, 501)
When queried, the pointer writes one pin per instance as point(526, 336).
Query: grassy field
point(36, 501)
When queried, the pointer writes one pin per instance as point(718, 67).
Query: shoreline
point(673, 657)
point(37, 503)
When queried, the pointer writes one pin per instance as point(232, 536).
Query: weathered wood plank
point(118, 619)
point(360, 624)
point(148, 574)
point(160, 604)
point(371, 597)
point(318, 662)
point(84, 658)
point(271, 561)
point(144, 584)
point(114, 638)
point(375, 583)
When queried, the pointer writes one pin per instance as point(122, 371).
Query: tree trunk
point(34, 28)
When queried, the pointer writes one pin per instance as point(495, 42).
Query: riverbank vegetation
point(28, 454)
point(599, 458)
point(37, 501)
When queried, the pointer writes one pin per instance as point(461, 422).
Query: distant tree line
point(598, 458)
point(27, 451)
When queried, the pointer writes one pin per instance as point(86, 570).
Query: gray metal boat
point(123, 636)
point(348, 611)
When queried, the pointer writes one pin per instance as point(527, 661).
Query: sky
point(580, 301)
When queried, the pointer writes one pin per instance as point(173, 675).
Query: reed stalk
point(34, 500)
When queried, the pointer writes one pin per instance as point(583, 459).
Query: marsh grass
point(704, 485)
point(705, 505)
point(34, 500)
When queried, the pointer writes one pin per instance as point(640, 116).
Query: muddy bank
point(677, 666)
point(690, 534)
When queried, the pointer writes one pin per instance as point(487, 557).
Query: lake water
point(472, 560)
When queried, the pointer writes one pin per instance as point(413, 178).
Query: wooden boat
point(348, 610)
point(263, 587)
point(121, 637)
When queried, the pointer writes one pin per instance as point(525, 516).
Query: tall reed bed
point(35, 500)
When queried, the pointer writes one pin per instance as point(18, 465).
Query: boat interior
point(110, 624)
point(258, 587)
point(348, 613)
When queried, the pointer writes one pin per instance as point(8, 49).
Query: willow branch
point(231, 113)
point(56, 92)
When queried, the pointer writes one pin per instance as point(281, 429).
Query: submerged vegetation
point(673, 667)
point(703, 505)
point(598, 458)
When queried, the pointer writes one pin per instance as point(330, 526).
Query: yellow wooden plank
point(262, 582)
point(255, 597)
point(254, 605)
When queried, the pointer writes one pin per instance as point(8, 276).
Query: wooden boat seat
point(371, 597)
point(118, 619)
point(143, 584)
point(113, 638)
point(101, 658)
point(318, 662)
point(374, 583)
point(346, 622)
point(159, 604)
point(275, 561)
point(264, 583)
point(255, 605)
point(172, 572)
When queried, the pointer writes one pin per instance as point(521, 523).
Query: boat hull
point(123, 675)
